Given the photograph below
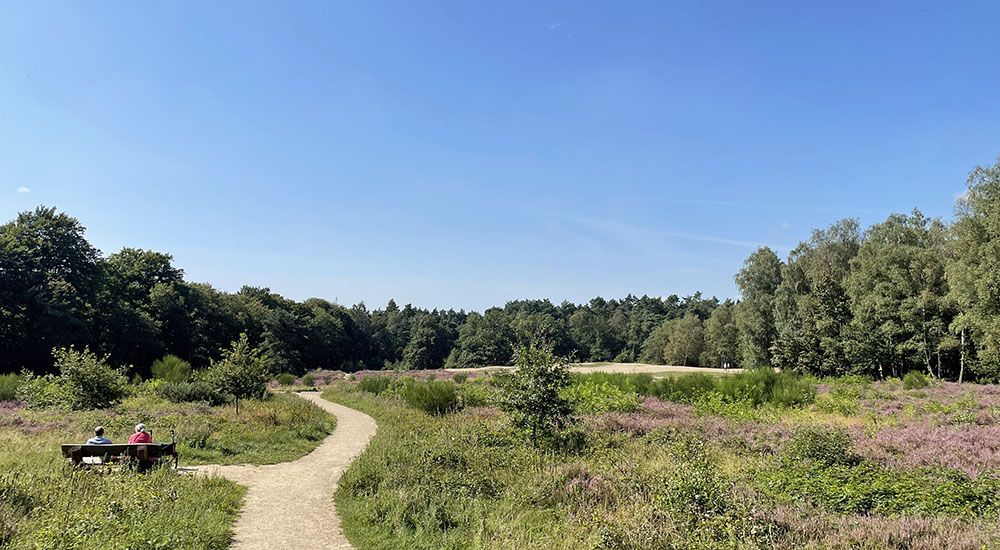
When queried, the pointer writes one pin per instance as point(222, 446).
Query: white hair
point(140, 427)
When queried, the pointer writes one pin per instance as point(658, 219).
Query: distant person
point(99, 438)
point(140, 435)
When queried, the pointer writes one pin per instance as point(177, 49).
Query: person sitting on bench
point(99, 438)
point(140, 435)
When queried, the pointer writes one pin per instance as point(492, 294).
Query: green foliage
point(191, 392)
point(460, 377)
point(532, 394)
point(375, 384)
point(92, 383)
point(44, 392)
point(432, 397)
point(85, 381)
point(826, 446)
point(45, 504)
point(760, 386)
point(915, 380)
point(51, 507)
point(477, 394)
point(171, 369)
point(309, 380)
point(286, 379)
point(9, 384)
point(758, 282)
point(242, 372)
point(686, 388)
point(591, 395)
point(871, 489)
point(685, 341)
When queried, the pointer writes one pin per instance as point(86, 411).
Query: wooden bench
point(143, 454)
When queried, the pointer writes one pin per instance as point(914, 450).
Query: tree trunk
point(961, 358)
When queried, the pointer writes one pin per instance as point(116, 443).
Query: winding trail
point(290, 505)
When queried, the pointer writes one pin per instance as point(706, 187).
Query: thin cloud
point(23, 189)
point(555, 26)
point(785, 225)
point(739, 204)
point(638, 234)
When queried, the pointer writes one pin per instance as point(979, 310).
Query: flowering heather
point(823, 530)
point(970, 448)
point(436, 374)
point(656, 415)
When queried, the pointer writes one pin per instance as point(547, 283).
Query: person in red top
point(140, 435)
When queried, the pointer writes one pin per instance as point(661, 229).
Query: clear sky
point(461, 154)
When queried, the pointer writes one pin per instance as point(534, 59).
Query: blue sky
point(461, 154)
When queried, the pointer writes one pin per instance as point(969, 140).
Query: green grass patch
point(44, 503)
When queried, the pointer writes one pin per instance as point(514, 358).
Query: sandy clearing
point(628, 368)
point(290, 505)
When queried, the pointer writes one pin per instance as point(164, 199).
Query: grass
point(45, 503)
point(720, 472)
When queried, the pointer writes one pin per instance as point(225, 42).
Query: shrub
point(309, 380)
point(44, 392)
point(532, 394)
point(434, 397)
point(476, 395)
point(190, 392)
point(286, 379)
point(85, 381)
point(826, 446)
point(460, 377)
point(9, 383)
point(595, 396)
point(242, 372)
point(915, 380)
point(375, 384)
point(683, 389)
point(171, 369)
point(764, 385)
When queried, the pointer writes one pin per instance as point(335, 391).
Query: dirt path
point(290, 505)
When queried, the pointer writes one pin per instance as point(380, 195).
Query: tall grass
point(9, 383)
point(755, 386)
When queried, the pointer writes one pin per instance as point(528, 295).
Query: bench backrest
point(135, 450)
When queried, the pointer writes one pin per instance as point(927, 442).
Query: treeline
point(910, 293)
point(57, 290)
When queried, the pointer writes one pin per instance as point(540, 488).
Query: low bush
point(592, 395)
point(686, 388)
point(868, 488)
point(434, 397)
point(915, 380)
point(309, 380)
point(760, 386)
point(171, 369)
point(9, 383)
point(191, 392)
point(476, 394)
point(826, 446)
point(460, 377)
point(286, 379)
point(85, 381)
point(375, 384)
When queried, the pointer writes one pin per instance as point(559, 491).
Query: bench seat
point(143, 452)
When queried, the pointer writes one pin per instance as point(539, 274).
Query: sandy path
point(629, 368)
point(289, 506)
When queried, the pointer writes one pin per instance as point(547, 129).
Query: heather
point(718, 470)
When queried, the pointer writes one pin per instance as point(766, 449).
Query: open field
point(846, 464)
point(625, 368)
